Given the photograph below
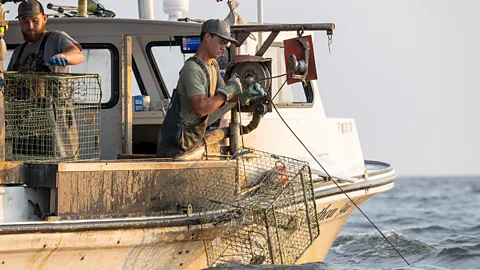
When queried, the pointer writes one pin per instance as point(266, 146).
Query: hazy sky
point(406, 71)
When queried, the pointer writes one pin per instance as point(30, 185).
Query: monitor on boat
point(190, 44)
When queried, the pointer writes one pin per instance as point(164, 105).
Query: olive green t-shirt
point(193, 82)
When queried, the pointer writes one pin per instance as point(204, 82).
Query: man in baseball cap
point(44, 51)
point(219, 28)
point(30, 8)
point(41, 48)
point(200, 91)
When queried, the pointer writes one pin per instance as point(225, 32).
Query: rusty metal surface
point(133, 193)
point(271, 38)
point(246, 28)
point(294, 46)
point(99, 225)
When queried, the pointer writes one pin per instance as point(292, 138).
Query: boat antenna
point(330, 177)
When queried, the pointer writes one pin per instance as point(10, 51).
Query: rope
point(301, 142)
point(274, 77)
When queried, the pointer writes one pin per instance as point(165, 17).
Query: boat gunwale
point(172, 221)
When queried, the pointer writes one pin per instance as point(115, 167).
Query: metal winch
point(252, 70)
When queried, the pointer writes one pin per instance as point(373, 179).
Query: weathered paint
point(151, 248)
point(119, 249)
point(11, 172)
point(135, 192)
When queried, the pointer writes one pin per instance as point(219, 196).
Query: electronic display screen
point(190, 44)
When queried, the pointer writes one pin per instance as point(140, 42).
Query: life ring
point(92, 119)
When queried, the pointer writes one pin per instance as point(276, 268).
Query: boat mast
point(260, 20)
point(145, 10)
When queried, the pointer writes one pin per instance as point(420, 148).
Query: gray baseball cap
point(29, 8)
point(219, 28)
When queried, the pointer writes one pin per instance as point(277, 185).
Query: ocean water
point(433, 222)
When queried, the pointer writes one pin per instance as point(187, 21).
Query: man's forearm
point(208, 105)
point(74, 57)
point(74, 54)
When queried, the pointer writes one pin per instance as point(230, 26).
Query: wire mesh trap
point(52, 116)
point(265, 213)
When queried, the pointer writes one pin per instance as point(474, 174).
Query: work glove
point(58, 59)
point(233, 87)
point(255, 91)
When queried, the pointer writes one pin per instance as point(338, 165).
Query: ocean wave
point(404, 221)
point(475, 187)
point(455, 257)
point(373, 244)
point(473, 229)
point(462, 240)
point(430, 229)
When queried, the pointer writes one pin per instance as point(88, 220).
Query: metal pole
point(3, 54)
point(145, 10)
point(260, 20)
point(234, 123)
point(248, 28)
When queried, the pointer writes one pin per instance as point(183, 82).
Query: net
point(52, 116)
point(265, 213)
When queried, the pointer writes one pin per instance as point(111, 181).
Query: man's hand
point(253, 92)
point(232, 89)
point(58, 59)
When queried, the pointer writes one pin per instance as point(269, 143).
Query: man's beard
point(32, 35)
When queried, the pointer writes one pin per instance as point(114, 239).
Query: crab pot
point(52, 116)
point(265, 213)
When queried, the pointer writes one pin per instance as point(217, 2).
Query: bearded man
point(42, 48)
point(46, 52)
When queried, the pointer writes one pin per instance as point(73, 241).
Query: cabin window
point(102, 59)
point(138, 87)
point(99, 58)
point(98, 61)
point(167, 60)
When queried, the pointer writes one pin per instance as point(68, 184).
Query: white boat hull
point(143, 245)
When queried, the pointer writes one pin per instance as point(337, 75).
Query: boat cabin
point(141, 59)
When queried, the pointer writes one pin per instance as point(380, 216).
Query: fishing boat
point(278, 180)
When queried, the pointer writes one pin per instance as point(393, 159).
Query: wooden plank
point(136, 156)
point(12, 172)
point(127, 109)
point(53, 200)
point(130, 193)
point(137, 166)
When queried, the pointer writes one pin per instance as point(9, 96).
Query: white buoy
point(175, 8)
